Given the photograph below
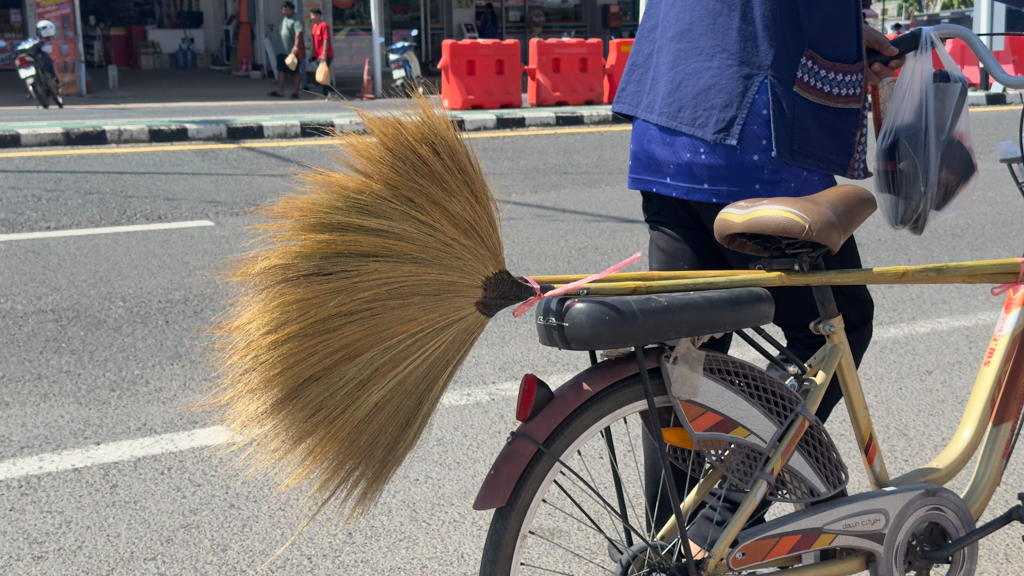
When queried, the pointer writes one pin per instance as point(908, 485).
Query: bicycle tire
point(507, 525)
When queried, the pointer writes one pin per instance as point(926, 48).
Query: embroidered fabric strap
point(1004, 288)
point(525, 306)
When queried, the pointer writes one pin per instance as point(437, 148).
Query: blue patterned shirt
point(670, 162)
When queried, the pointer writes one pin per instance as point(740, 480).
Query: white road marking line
point(204, 437)
point(113, 452)
point(937, 325)
point(107, 230)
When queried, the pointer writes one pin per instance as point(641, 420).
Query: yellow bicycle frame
point(993, 412)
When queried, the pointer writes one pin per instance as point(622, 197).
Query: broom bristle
point(362, 301)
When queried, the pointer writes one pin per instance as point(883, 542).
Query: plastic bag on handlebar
point(924, 164)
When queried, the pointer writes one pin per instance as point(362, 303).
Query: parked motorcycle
point(405, 67)
point(31, 61)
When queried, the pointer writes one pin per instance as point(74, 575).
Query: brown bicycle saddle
point(827, 218)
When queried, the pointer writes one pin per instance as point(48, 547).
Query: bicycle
point(568, 487)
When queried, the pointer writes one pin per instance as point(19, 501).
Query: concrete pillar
point(29, 17)
point(377, 22)
point(259, 29)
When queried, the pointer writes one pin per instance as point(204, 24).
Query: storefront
point(17, 22)
point(146, 34)
point(13, 29)
point(603, 19)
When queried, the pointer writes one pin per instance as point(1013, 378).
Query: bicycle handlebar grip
point(906, 44)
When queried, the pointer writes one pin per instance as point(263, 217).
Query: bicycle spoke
point(620, 494)
point(589, 517)
point(686, 492)
point(657, 505)
point(715, 520)
point(544, 569)
point(577, 520)
point(622, 514)
point(636, 464)
point(563, 548)
point(600, 501)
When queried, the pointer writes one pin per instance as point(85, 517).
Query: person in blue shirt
point(740, 99)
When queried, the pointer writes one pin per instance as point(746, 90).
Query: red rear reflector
point(527, 395)
point(21, 62)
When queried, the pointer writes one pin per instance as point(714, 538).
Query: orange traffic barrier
point(567, 71)
point(618, 53)
point(481, 74)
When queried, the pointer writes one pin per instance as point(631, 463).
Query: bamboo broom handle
point(982, 272)
point(647, 276)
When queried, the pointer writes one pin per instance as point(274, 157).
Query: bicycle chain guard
point(738, 416)
point(892, 525)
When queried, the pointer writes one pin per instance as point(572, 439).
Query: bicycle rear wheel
point(580, 515)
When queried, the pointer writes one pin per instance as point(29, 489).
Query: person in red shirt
point(323, 48)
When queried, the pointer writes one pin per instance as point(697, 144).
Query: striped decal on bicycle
point(788, 450)
point(871, 454)
point(704, 421)
point(774, 548)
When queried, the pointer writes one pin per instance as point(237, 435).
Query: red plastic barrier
point(481, 74)
point(618, 54)
point(964, 58)
point(565, 72)
point(1014, 49)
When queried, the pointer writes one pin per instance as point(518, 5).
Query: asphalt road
point(104, 341)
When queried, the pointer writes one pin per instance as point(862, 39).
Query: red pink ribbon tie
point(1004, 288)
point(525, 306)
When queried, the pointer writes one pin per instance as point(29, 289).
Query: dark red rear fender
point(514, 457)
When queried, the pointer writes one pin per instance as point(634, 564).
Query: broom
point(370, 287)
point(359, 306)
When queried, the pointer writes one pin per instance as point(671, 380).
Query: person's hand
point(877, 41)
point(295, 51)
point(312, 57)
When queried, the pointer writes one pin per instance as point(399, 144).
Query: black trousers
point(682, 238)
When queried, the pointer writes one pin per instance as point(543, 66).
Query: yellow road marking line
point(995, 108)
point(257, 144)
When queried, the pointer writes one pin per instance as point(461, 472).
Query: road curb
point(470, 121)
point(993, 98)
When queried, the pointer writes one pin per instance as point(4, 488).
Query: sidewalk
point(162, 86)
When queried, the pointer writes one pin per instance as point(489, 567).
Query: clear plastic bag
point(683, 367)
point(924, 165)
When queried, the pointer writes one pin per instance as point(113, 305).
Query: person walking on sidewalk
point(323, 50)
point(291, 44)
